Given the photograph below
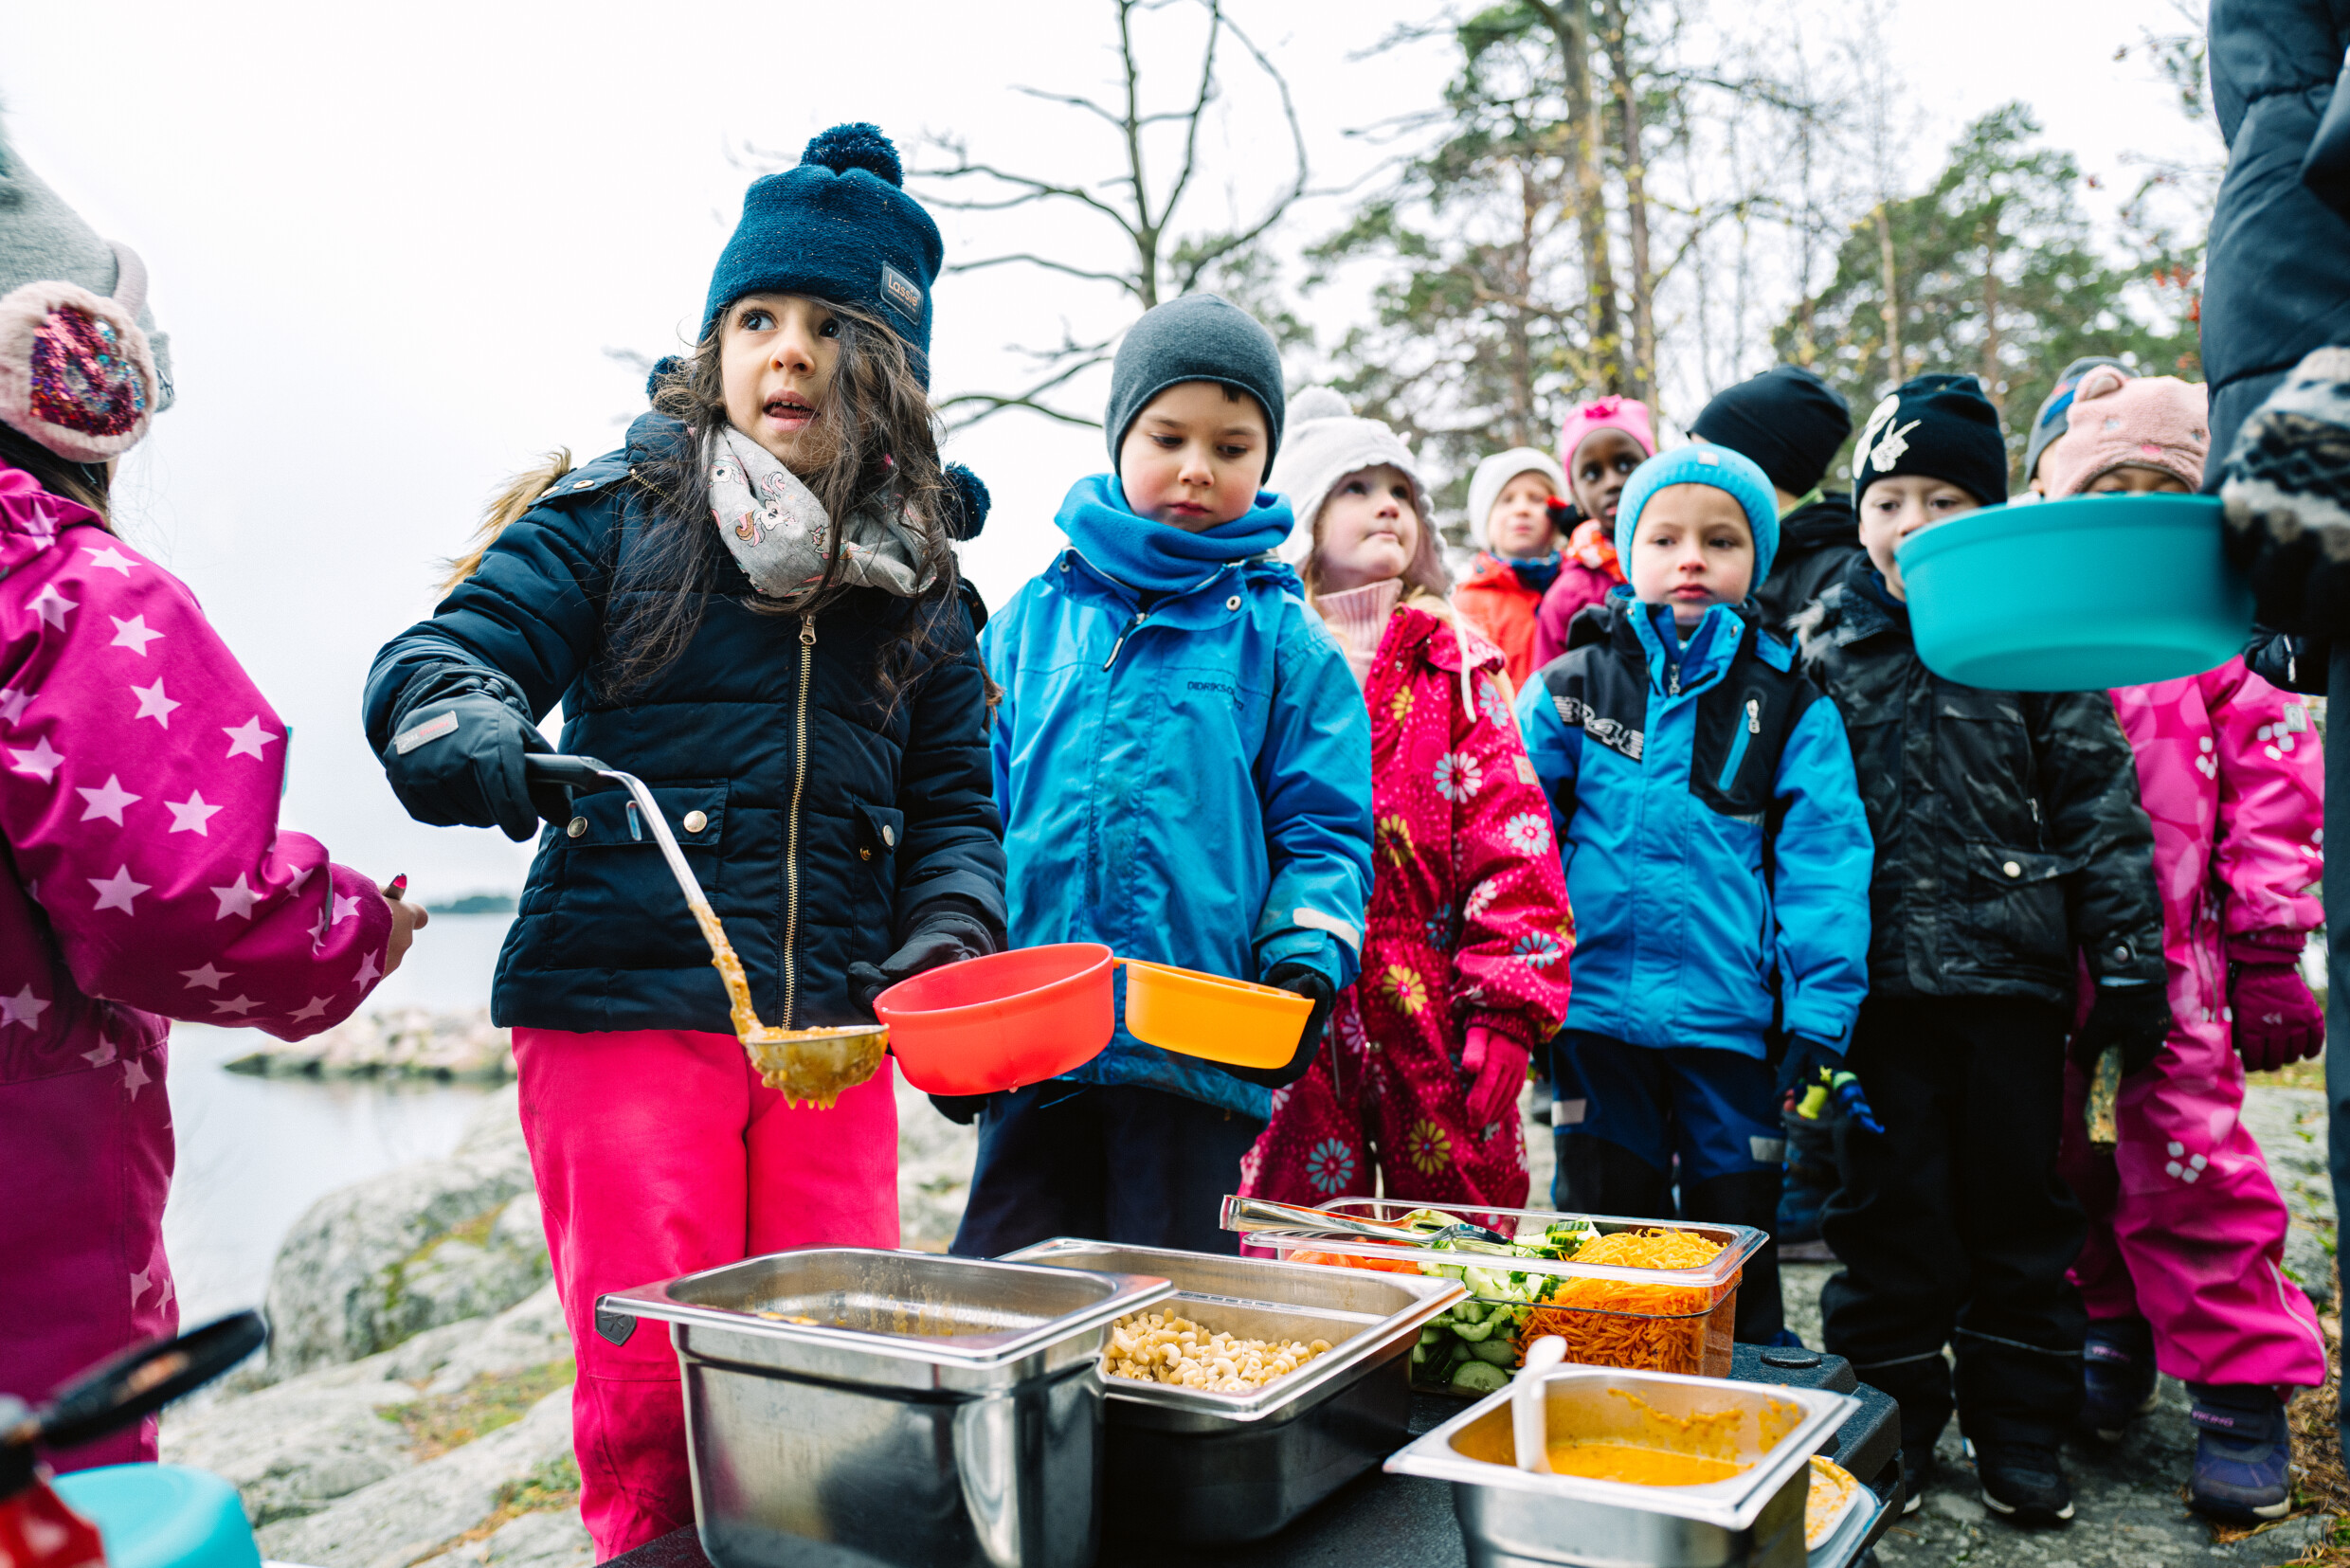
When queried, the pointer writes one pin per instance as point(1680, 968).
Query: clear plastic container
point(1657, 1320)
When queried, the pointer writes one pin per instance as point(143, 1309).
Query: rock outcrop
point(409, 1043)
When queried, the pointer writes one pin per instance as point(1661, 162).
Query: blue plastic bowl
point(162, 1516)
point(2072, 595)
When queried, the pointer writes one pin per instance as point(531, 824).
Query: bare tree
point(1155, 263)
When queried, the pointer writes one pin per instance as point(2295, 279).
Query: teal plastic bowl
point(2073, 595)
point(162, 1516)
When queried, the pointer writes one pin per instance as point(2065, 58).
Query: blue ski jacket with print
point(1189, 784)
point(1717, 852)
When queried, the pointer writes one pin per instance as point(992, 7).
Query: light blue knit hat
point(1732, 472)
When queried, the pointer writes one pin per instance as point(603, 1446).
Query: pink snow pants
point(659, 1152)
point(86, 1157)
point(2185, 1227)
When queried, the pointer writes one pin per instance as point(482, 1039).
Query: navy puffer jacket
point(896, 809)
point(2277, 272)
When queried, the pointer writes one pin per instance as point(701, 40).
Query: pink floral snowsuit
point(2186, 1228)
point(1468, 924)
point(139, 778)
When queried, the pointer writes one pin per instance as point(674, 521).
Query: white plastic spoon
point(1529, 1415)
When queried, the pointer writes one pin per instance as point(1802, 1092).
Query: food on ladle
point(1159, 1347)
point(806, 1066)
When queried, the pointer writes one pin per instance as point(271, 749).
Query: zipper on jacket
point(1746, 732)
point(1123, 632)
point(792, 843)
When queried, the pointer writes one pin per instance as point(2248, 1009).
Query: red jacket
point(1503, 609)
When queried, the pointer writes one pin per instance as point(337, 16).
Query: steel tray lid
point(1739, 1243)
point(907, 1306)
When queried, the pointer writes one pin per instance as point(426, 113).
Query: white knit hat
point(1322, 441)
point(1485, 485)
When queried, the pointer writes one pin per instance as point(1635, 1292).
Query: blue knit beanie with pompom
point(838, 227)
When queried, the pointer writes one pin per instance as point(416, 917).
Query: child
point(1510, 512)
point(1717, 858)
point(1466, 943)
point(1791, 424)
point(2186, 1230)
point(753, 606)
point(148, 876)
point(1602, 444)
point(1185, 767)
point(2008, 838)
point(2055, 417)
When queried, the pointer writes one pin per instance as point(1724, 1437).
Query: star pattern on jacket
point(12, 704)
point(247, 739)
point(52, 607)
point(237, 898)
point(41, 761)
point(112, 559)
point(107, 800)
point(119, 890)
point(22, 1008)
point(153, 704)
point(190, 815)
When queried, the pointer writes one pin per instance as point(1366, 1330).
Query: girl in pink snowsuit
point(147, 877)
point(2183, 1269)
point(1467, 932)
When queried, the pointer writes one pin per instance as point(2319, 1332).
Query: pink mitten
point(2277, 1022)
point(1497, 1065)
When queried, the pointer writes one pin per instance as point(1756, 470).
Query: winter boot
point(2022, 1482)
point(2117, 1374)
point(1917, 1473)
point(2242, 1453)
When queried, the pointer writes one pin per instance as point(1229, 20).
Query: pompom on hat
point(2120, 421)
point(82, 370)
point(838, 227)
point(1627, 414)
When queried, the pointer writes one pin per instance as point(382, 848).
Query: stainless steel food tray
point(926, 1411)
point(1208, 1469)
point(1514, 1518)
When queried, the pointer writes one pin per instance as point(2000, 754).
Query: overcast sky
point(391, 245)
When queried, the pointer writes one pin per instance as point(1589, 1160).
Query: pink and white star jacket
point(141, 772)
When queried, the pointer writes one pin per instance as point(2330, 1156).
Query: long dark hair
point(86, 482)
point(875, 430)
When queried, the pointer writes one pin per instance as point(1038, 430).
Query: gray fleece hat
point(1197, 337)
point(82, 364)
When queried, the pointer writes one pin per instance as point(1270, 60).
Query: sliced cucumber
point(1479, 1378)
point(1420, 1355)
point(1499, 1351)
point(1431, 1334)
point(1472, 1331)
point(1468, 1311)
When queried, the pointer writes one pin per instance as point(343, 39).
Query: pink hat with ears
point(2118, 420)
point(1629, 415)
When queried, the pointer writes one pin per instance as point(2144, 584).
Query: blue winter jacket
point(823, 823)
point(1190, 784)
point(1717, 852)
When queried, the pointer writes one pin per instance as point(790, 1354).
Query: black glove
point(942, 936)
point(1308, 982)
point(1803, 1064)
point(962, 1110)
point(2136, 1017)
point(1563, 515)
point(456, 755)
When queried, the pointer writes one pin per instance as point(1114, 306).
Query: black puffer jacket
point(2006, 823)
point(1816, 543)
point(2277, 272)
point(765, 724)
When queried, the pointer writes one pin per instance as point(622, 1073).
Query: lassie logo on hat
point(902, 291)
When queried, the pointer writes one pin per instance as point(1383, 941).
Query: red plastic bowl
point(1003, 1021)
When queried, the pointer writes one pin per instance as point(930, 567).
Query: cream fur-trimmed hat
point(82, 369)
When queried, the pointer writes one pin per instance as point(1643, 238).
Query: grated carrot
point(1628, 1323)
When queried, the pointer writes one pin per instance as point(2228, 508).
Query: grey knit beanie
point(48, 257)
point(1197, 337)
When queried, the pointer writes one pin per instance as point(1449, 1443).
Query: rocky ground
point(415, 1409)
point(408, 1043)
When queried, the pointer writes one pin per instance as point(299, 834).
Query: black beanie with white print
point(1939, 427)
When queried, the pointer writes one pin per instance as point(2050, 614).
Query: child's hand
point(1805, 1066)
point(406, 920)
point(458, 762)
point(947, 936)
point(2136, 1017)
point(2276, 1021)
point(1309, 982)
point(1496, 1066)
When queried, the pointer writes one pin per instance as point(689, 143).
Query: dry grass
point(439, 1422)
point(2320, 1483)
point(2308, 1074)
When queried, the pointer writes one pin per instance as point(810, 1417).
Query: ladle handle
point(1262, 1213)
point(1529, 1413)
point(141, 1381)
point(585, 774)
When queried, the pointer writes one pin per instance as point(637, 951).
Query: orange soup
point(1641, 1467)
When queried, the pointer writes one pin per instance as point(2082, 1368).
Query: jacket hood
point(1849, 609)
point(1828, 520)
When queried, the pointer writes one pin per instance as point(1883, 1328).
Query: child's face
point(1891, 510)
point(1194, 456)
point(1519, 525)
point(776, 355)
point(1369, 530)
point(1597, 470)
point(2135, 479)
point(1692, 550)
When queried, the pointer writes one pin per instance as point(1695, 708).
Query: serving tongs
point(1264, 1215)
point(815, 1066)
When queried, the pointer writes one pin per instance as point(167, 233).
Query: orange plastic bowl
point(1003, 1021)
point(1212, 1017)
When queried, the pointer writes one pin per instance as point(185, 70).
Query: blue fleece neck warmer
point(1732, 472)
point(1154, 557)
point(1537, 573)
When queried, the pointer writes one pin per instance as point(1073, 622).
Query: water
point(254, 1153)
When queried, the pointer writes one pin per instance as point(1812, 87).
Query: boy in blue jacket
point(1717, 858)
point(1184, 765)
